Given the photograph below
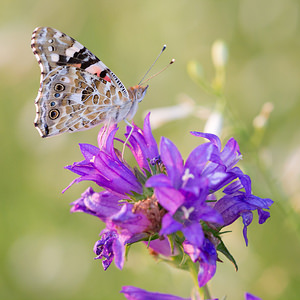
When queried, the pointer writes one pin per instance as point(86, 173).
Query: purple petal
point(207, 257)
point(104, 248)
point(169, 225)
point(211, 137)
point(232, 206)
point(231, 153)
point(263, 215)
point(163, 247)
point(119, 253)
point(132, 222)
point(206, 272)
point(191, 250)
point(116, 176)
point(245, 179)
point(233, 187)
point(88, 151)
point(249, 296)
point(103, 204)
point(151, 142)
point(139, 149)
point(106, 136)
point(159, 180)
point(169, 198)
point(194, 234)
point(208, 262)
point(199, 157)
point(211, 215)
point(134, 293)
point(247, 220)
point(172, 160)
point(260, 202)
point(143, 145)
point(82, 168)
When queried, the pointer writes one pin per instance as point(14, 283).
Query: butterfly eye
point(53, 114)
point(59, 87)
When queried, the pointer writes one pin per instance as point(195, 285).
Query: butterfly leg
point(130, 133)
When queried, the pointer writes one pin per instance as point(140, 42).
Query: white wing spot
point(70, 51)
point(57, 35)
point(76, 98)
point(65, 79)
point(54, 57)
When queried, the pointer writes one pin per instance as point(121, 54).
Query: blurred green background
point(46, 253)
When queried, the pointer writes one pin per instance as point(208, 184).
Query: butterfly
point(77, 90)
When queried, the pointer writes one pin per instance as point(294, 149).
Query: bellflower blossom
point(134, 293)
point(177, 207)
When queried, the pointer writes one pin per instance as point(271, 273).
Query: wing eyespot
point(59, 87)
point(54, 114)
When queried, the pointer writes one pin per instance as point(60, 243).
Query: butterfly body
point(77, 90)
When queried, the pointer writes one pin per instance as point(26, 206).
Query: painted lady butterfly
point(77, 90)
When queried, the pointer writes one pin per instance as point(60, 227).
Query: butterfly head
point(137, 93)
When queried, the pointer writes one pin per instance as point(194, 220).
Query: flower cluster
point(178, 208)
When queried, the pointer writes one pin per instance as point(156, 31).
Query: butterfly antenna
point(162, 50)
point(170, 63)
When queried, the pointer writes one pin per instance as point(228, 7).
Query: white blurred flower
point(219, 54)
point(185, 108)
point(261, 120)
point(214, 123)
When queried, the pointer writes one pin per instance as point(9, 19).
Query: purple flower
point(110, 246)
point(238, 200)
point(206, 255)
point(103, 204)
point(237, 204)
point(134, 293)
point(121, 228)
point(182, 195)
point(143, 145)
point(249, 296)
point(105, 168)
point(176, 207)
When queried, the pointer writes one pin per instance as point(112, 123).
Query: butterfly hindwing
point(72, 99)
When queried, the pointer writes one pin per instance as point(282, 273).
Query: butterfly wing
point(71, 99)
point(77, 90)
point(54, 48)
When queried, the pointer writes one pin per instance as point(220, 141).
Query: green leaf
point(222, 248)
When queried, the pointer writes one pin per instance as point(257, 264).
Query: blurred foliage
point(45, 251)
